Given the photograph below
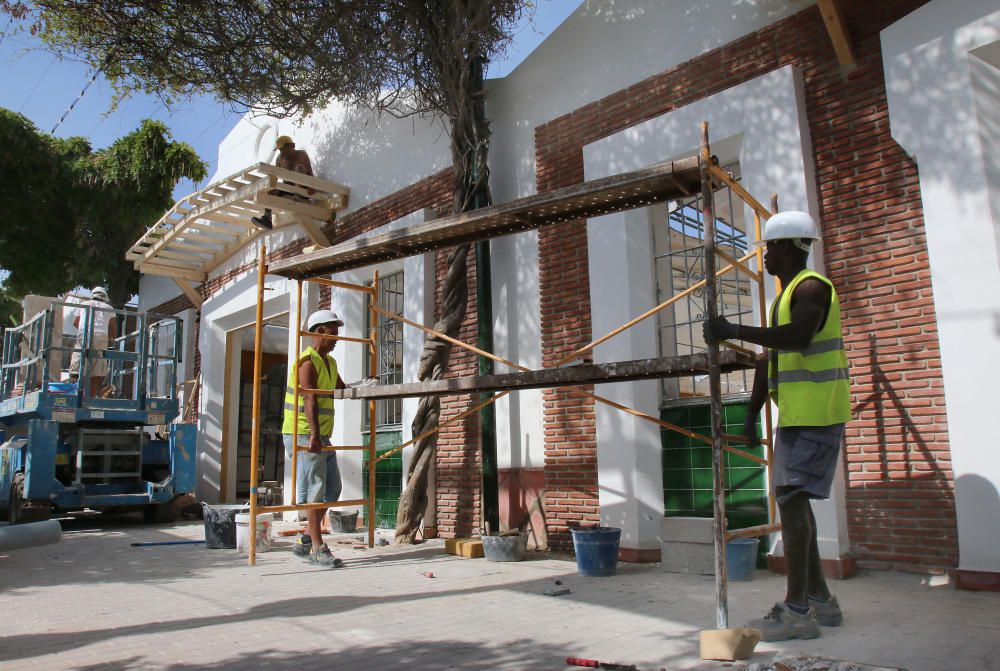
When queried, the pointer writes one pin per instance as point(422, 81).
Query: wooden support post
point(189, 291)
point(255, 410)
point(296, 326)
point(714, 386)
point(837, 30)
point(312, 229)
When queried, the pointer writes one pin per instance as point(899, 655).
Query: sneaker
point(323, 557)
point(827, 612)
point(302, 546)
point(262, 222)
point(782, 624)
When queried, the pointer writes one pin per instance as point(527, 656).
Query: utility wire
point(6, 30)
point(37, 84)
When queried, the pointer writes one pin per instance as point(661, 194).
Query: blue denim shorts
point(318, 477)
point(805, 459)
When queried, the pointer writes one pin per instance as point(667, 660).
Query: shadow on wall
point(376, 154)
point(909, 480)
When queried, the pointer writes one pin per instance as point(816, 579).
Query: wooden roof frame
point(204, 229)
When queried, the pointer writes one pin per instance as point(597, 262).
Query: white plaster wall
point(763, 124)
point(230, 310)
point(936, 114)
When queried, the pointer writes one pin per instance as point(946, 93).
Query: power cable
point(6, 30)
point(37, 84)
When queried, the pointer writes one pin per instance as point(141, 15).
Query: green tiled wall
point(687, 469)
point(388, 479)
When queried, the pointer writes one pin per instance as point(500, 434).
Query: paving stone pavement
point(92, 602)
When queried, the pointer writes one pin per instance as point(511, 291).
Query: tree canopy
point(72, 213)
point(289, 57)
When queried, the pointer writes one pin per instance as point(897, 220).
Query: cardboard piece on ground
point(464, 547)
point(729, 644)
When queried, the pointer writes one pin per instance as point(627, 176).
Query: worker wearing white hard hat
point(804, 371)
point(317, 479)
point(292, 159)
point(97, 326)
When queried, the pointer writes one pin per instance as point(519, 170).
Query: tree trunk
point(470, 149)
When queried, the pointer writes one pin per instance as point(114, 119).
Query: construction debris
point(728, 644)
point(813, 664)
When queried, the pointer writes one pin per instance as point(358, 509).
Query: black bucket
point(220, 525)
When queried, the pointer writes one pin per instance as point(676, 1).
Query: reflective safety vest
point(326, 367)
point(812, 386)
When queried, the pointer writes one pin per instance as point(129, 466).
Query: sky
point(42, 87)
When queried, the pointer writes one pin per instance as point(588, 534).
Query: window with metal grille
point(680, 264)
point(388, 412)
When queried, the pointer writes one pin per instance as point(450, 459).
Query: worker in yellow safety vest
point(804, 370)
point(318, 475)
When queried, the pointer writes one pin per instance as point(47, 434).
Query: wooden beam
point(148, 268)
point(837, 29)
point(289, 205)
point(318, 183)
point(313, 230)
point(189, 291)
point(643, 369)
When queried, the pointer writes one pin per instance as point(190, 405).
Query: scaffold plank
point(666, 181)
point(586, 374)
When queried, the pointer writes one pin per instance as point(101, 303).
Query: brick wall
point(900, 487)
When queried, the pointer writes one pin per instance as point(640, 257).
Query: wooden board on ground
point(469, 548)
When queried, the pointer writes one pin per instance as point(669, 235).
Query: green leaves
point(72, 213)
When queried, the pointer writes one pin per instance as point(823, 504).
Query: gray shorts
point(318, 477)
point(805, 459)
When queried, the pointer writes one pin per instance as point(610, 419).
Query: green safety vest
point(812, 386)
point(326, 367)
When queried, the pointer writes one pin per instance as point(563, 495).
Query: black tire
point(22, 511)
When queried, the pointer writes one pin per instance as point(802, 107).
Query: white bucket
point(265, 521)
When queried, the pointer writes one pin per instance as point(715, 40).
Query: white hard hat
point(791, 225)
point(323, 317)
point(99, 293)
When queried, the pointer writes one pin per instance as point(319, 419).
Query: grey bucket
point(505, 548)
point(341, 522)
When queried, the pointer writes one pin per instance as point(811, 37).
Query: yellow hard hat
point(282, 141)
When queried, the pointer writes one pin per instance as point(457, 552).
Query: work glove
point(718, 328)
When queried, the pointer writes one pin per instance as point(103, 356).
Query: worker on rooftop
point(289, 158)
point(805, 371)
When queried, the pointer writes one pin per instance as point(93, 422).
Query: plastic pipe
point(20, 536)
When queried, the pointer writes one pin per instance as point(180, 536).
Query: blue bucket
point(596, 550)
point(741, 558)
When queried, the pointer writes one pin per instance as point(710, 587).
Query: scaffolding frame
point(495, 221)
point(298, 390)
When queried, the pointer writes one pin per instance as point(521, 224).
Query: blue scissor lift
point(62, 449)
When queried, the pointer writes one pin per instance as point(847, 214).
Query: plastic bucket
point(505, 548)
point(265, 522)
point(341, 522)
point(220, 526)
point(741, 558)
point(596, 550)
